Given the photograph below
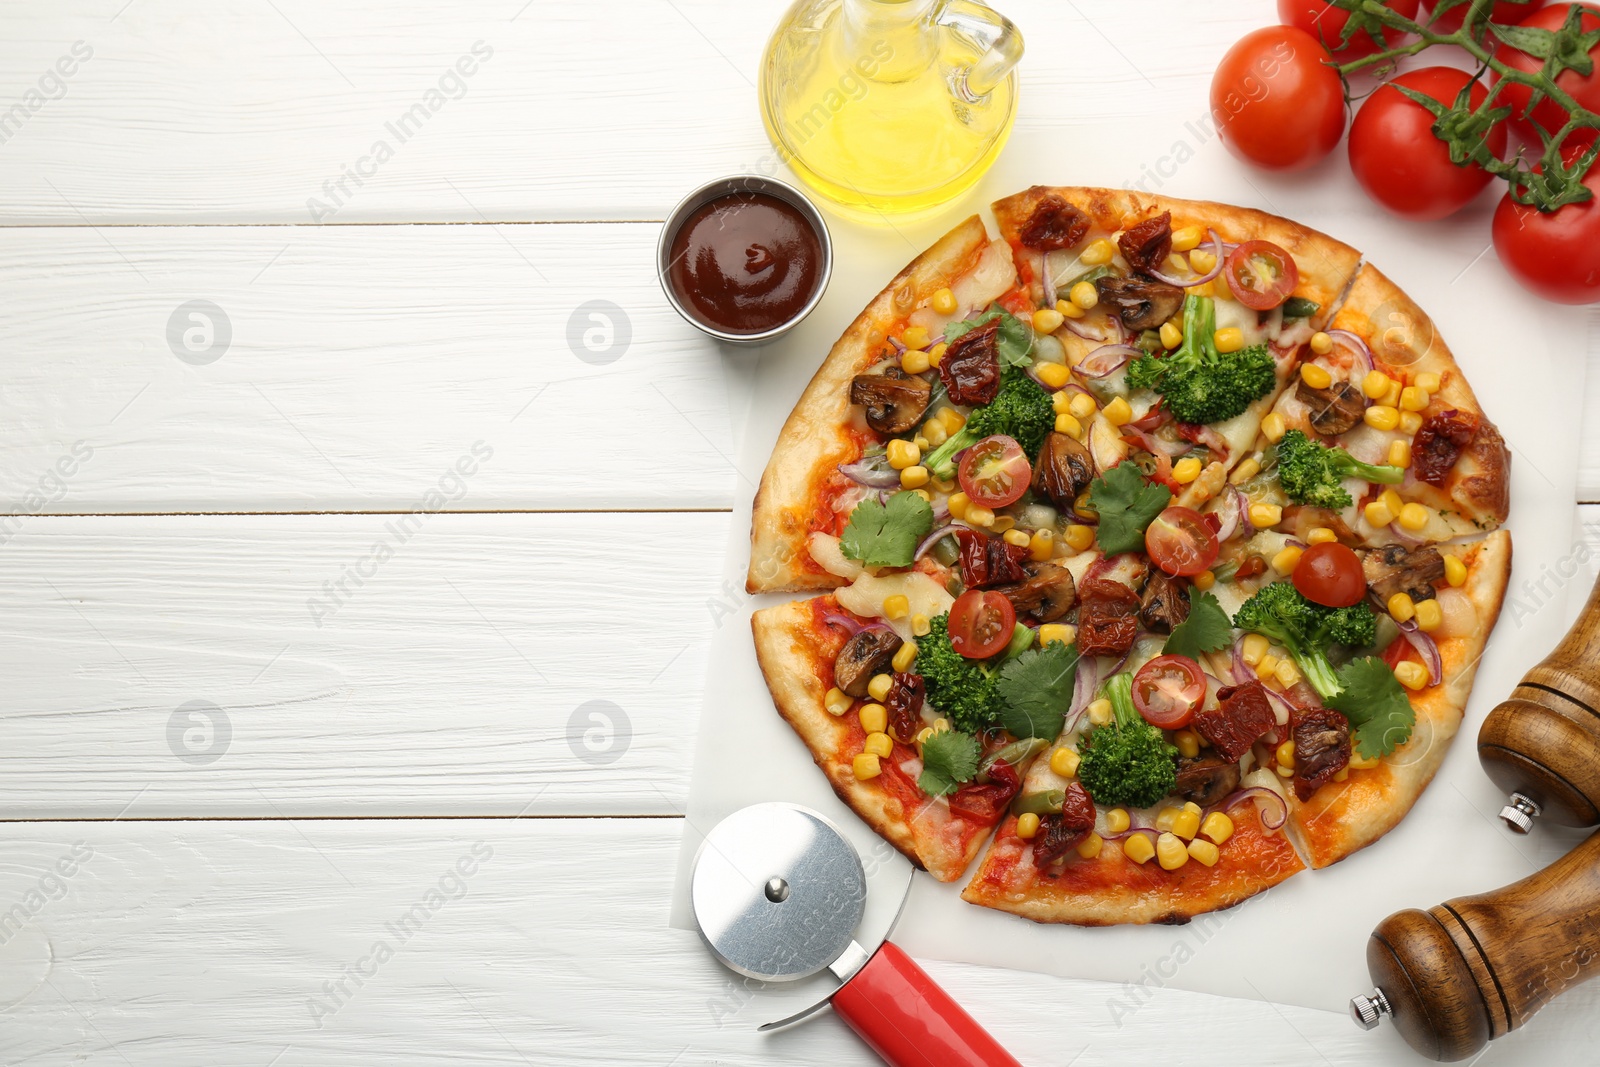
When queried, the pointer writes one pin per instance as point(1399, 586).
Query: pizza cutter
point(777, 892)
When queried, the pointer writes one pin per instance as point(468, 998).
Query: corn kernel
point(1410, 423)
point(923, 493)
point(1392, 397)
point(1061, 401)
point(895, 607)
point(1287, 559)
point(944, 301)
point(1274, 427)
point(1204, 852)
point(958, 504)
point(1228, 339)
point(1268, 665)
point(1064, 761)
point(1054, 375)
point(1413, 399)
point(1401, 607)
point(1118, 820)
point(837, 701)
point(1188, 743)
point(878, 687)
point(941, 723)
point(1083, 405)
point(881, 745)
point(1118, 413)
point(1172, 852)
point(1315, 376)
point(1027, 825)
point(1245, 471)
point(874, 717)
point(1138, 848)
point(1079, 537)
point(1047, 320)
point(1187, 237)
point(905, 657)
point(1399, 453)
point(1455, 572)
point(1382, 417)
point(936, 354)
point(1186, 470)
point(953, 420)
point(915, 337)
point(1428, 382)
point(978, 515)
point(1285, 772)
point(903, 454)
point(1254, 649)
point(1320, 535)
point(914, 477)
point(1068, 424)
point(1359, 762)
point(1413, 517)
point(1019, 538)
point(914, 361)
point(1429, 615)
point(1285, 754)
point(1171, 336)
point(1042, 546)
point(1204, 580)
point(1218, 827)
point(1058, 633)
point(1391, 500)
point(1090, 846)
point(1321, 344)
point(920, 625)
point(920, 441)
point(1265, 516)
point(923, 734)
point(1375, 384)
point(1202, 261)
point(1377, 513)
point(866, 766)
point(1286, 673)
point(1099, 252)
point(1410, 674)
point(1084, 295)
point(1165, 818)
point(1186, 825)
point(1069, 310)
point(1099, 711)
point(1001, 523)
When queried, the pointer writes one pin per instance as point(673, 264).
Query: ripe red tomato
point(1168, 690)
point(1326, 23)
point(995, 472)
point(1330, 574)
point(1181, 542)
point(1585, 88)
point(1261, 275)
point(981, 621)
point(1276, 101)
point(1555, 255)
point(1505, 12)
point(1398, 160)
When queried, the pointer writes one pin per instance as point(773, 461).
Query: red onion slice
point(1106, 360)
point(1273, 816)
point(1046, 282)
point(932, 539)
point(1405, 537)
point(1216, 250)
point(1426, 648)
point(1242, 504)
point(1283, 702)
point(1241, 669)
point(1228, 522)
point(1153, 444)
point(1083, 687)
point(1148, 832)
point(1088, 333)
point(1357, 344)
point(844, 622)
point(863, 473)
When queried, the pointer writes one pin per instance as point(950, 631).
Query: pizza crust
point(818, 437)
point(1344, 817)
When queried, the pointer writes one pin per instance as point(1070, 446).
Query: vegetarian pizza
point(1157, 542)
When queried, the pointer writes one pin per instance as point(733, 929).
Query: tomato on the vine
point(995, 472)
point(1180, 542)
point(1261, 275)
point(1276, 101)
point(1168, 690)
point(1584, 88)
point(981, 622)
point(1505, 12)
point(1557, 254)
point(1398, 160)
point(1330, 574)
point(1326, 23)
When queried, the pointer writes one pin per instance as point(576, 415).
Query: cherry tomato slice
point(995, 472)
point(1330, 574)
point(1261, 275)
point(981, 622)
point(1181, 542)
point(1168, 690)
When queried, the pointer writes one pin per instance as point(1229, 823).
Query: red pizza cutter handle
point(909, 1021)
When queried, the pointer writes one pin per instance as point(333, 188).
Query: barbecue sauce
point(745, 263)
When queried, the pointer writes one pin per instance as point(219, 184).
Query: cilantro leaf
point(1036, 690)
point(949, 757)
point(880, 536)
point(1014, 342)
point(1126, 505)
point(1376, 705)
point(1207, 629)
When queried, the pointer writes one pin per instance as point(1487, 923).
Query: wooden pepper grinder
point(1455, 977)
point(1543, 744)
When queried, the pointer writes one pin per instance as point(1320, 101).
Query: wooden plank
point(362, 364)
point(235, 111)
point(334, 665)
point(547, 945)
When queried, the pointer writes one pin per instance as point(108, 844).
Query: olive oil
point(890, 107)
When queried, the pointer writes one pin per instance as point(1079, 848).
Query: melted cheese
point(824, 548)
point(865, 597)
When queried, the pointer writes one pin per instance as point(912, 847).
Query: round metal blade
point(777, 891)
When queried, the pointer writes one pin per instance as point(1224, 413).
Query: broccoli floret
point(1127, 761)
point(961, 688)
point(1021, 410)
point(1201, 384)
point(1279, 612)
point(1310, 472)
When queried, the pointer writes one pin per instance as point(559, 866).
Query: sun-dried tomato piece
point(987, 561)
point(1060, 833)
point(1243, 715)
point(1439, 443)
point(970, 369)
point(1146, 245)
point(1108, 617)
point(1054, 224)
point(904, 705)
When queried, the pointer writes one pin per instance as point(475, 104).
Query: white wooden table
point(291, 776)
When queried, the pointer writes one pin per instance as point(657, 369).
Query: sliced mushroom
point(1047, 593)
point(1332, 410)
point(1206, 780)
point(867, 653)
point(1142, 305)
point(1396, 569)
point(895, 401)
point(1064, 470)
point(1165, 602)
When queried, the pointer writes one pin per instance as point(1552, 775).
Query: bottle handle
point(995, 35)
